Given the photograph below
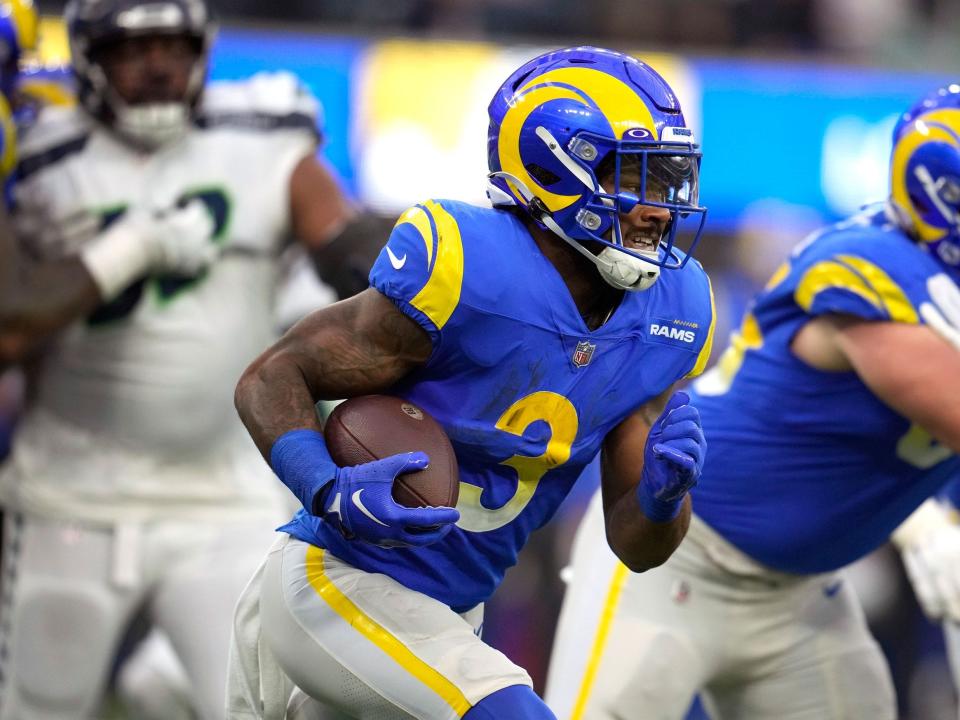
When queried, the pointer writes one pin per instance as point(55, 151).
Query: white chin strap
point(153, 124)
point(625, 271)
point(617, 268)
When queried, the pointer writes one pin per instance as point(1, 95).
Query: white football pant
point(758, 644)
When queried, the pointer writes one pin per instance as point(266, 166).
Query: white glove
point(943, 314)
point(177, 241)
point(183, 240)
point(929, 542)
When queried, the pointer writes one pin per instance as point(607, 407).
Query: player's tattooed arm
point(639, 542)
point(359, 346)
point(37, 299)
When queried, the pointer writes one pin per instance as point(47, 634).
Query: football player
point(33, 295)
point(828, 426)
point(536, 332)
point(156, 210)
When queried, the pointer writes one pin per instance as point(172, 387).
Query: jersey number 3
point(560, 415)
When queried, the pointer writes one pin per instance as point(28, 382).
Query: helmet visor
point(660, 178)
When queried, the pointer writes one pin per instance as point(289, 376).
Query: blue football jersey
point(524, 390)
point(806, 470)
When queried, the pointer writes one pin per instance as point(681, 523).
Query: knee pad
point(61, 648)
point(517, 702)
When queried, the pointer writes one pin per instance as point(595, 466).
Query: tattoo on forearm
point(358, 347)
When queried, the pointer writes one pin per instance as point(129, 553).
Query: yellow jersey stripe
point(894, 299)
point(707, 348)
point(829, 274)
point(599, 642)
point(8, 140)
point(779, 275)
point(25, 22)
point(748, 337)
point(441, 295)
point(418, 218)
point(375, 633)
point(47, 92)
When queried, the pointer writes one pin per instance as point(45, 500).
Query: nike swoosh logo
point(832, 589)
point(355, 498)
point(397, 262)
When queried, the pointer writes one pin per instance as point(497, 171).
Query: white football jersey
point(133, 407)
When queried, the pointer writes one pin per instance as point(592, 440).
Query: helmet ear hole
point(542, 175)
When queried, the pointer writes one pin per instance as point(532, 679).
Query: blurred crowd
point(914, 34)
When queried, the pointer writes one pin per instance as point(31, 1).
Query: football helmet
point(18, 35)
point(568, 119)
point(94, 24)
point(925, 175)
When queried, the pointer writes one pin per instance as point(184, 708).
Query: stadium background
point(793, 102)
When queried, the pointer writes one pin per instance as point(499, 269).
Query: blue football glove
point(357, 500)
point(672, 459)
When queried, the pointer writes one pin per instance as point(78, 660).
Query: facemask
point(152, 125)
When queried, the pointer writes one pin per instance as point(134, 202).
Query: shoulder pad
point(421, 266)
point(57, 131)
point(267, 95)
point(870, 271)
point(54, 124)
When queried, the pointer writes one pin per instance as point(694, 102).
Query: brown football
point(371, 427)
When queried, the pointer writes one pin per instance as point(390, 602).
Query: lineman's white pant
point(760, 644)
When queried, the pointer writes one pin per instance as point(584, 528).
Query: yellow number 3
point(561, 417)
point(919, 449)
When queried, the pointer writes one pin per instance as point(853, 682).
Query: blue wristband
point(302, 462)
point(659, 511)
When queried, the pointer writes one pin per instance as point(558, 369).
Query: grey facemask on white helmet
point(94, 24)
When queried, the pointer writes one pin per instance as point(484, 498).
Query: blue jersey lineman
point(830, 418)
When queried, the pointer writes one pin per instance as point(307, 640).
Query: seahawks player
point(536, 332)
point(828, 425)
point(131, 484)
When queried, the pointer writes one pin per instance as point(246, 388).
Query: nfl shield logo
point(584, 353)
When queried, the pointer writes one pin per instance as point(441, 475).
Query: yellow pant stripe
point(375, 633)
point(600, 641)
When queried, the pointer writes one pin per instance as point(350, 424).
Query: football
point(371, 427)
